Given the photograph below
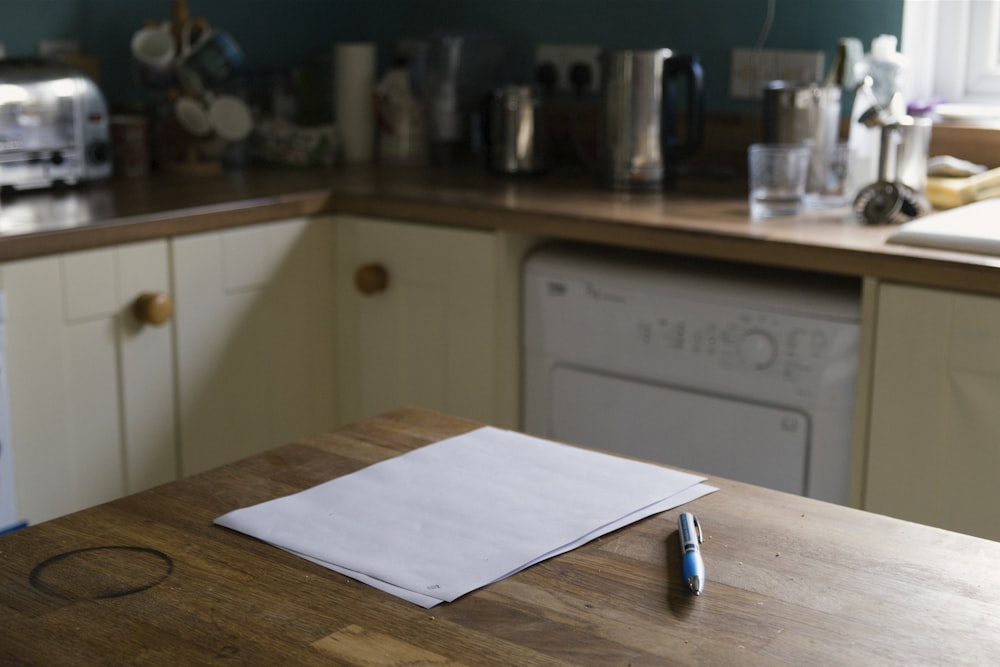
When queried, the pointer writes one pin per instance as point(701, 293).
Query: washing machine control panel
point(757, 348)
point(720, 344)
point(720, 340)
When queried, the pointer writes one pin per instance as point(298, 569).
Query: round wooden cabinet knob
point(153, 307)
point(371, 278)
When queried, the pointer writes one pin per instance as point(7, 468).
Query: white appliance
point(8, 502)
point(733, 371)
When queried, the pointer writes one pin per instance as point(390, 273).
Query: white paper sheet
point(450, 517)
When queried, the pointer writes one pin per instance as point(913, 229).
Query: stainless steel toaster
point(53, 125)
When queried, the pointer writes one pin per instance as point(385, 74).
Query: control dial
point(98, 152)
point(757, 349)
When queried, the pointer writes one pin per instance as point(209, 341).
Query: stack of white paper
point(448, 518)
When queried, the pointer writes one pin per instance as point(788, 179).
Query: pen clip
point(697, 527)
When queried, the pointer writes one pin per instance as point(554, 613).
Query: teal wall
point(281, 33)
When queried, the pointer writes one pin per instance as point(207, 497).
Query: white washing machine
point(729, 370)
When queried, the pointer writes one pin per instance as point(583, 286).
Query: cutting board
point(971, 228)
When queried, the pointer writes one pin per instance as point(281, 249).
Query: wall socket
point(563, 57)
point(752, 68)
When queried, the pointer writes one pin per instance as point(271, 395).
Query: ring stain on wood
point(95, 573)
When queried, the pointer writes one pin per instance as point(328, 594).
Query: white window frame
point(954, 49)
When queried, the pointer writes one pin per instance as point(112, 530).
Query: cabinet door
point(255, 345)
point(934, 450)
point(431, 336)
point(91, 388)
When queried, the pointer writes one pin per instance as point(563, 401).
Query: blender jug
point(638, 144)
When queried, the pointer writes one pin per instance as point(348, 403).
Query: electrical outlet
point(752, 68)
point(563, 57)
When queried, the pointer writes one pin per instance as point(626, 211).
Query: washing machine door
point(716, 435)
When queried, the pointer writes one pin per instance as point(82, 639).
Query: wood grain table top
point(148, 579)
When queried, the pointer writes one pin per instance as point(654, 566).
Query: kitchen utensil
point(517, 134)
point(888, 201)
point(911, 153)
point(638, 146)
point(806, 113)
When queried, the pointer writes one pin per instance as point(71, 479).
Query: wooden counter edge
point(703, 228)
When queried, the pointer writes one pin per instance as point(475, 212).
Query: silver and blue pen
point(692, 565)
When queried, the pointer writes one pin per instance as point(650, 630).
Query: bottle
point(887, 68)
point(878, 98)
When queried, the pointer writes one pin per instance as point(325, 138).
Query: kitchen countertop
point(148, 579)
point(699, 219)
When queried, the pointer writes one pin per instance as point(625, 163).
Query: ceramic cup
point(190, 118)
point(230, 118)
point(212, 57)
point(153, 53)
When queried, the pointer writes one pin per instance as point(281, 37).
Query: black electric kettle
point(638, 126)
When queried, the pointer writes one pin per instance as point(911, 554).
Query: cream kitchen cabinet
point(270, 340)
point(933, 452)
point(428, 316)
point(91, 386)
point(254, 338)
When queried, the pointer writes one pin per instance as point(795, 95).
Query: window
point(954, 49)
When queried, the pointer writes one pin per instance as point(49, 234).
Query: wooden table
point(149, 579)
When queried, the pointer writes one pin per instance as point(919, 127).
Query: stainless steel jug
point(638, 144)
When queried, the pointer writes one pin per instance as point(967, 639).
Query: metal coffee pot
point(638, 146)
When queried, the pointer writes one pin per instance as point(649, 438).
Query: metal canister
point(130, 146)
point(517, 135)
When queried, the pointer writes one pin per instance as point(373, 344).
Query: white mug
point(230, 117)
point(189, 118)
point(153, 52)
